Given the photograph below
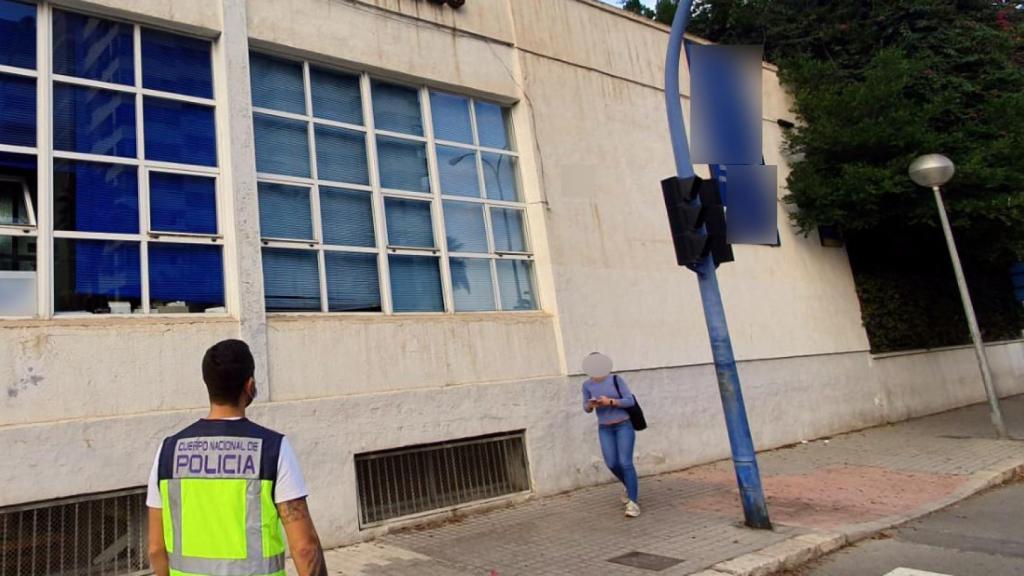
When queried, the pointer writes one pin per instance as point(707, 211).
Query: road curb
point(798, 550)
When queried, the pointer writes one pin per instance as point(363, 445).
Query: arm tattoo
point(293, 510)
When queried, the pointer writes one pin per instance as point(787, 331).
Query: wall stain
point(30, 380)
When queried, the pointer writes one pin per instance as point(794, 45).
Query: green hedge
point(909, 298)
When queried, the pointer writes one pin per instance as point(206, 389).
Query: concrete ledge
point(825, 542)
point(753, 564)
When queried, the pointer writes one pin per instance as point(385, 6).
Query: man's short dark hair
point(227, 366)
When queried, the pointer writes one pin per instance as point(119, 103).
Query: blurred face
point(597, 366)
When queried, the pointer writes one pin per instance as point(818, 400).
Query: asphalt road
point(981, 536)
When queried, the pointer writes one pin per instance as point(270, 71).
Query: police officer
point(221, 488)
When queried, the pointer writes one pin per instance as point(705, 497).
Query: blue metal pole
point(744, 458)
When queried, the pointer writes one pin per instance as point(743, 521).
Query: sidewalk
point(821, 495)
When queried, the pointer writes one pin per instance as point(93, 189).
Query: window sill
point(115, 320)
point(380, 317)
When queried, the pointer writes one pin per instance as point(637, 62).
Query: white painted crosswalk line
point(912, 572)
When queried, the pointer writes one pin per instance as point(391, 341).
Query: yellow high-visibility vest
point(217, 482)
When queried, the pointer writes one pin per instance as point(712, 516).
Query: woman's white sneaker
point(632, 509)
point(625, 496)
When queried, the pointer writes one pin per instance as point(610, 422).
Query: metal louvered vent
point(433, 477)
point(82, 536)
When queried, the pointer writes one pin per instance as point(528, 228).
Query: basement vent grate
point(83, 536)
point(433, 477)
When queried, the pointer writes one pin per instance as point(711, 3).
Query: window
point(18, 159)
point(134, 170)
point(129, 125)
point(376, 196)
point(485, 220)
point(316, 203)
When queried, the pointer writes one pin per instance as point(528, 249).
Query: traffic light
point(696, 217)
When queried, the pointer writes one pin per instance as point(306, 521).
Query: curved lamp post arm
point(673, 96)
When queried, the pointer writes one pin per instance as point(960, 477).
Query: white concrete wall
point(788, 400)
point(96, 368)
point(88, 400)
point(332, 356)
point(469, 51)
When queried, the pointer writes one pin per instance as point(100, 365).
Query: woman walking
point(610, 396)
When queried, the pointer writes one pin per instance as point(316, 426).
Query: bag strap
point(615, 380)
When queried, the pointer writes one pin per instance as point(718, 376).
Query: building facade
point(421, 218)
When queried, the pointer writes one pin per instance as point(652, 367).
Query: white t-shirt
point(290, 484)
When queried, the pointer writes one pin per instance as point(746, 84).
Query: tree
point(664, 10)
point(637, 7)
point(874, 85)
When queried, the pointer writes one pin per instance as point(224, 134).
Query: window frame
point(46, 156)
point(31, 230)
point(383, 249)
point(488, 203)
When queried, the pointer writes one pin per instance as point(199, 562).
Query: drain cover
point(644, 561)
point(956, 437)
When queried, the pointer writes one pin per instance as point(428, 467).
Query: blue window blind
point(277, 84)
point(17, 110)
point(178, 64)
point(515, 284)
point(179, 132)
point(451, 117)
point(465, 228)
point(403, 164)
point(347, 217)
point(409, 223)
point(396, 109)
point(93, 48)
point(500, 177)
point(182, 203)
point(89, 273)
point(285, 211)
point(93, 121)
point(507, 226)
point(193, 273)
point(95, 197)
point(336, 96)
point(472, 285)
point(282, 146)
point(353, 284)
point(415, 284)
point(18, 29)
point(491, 126)
point(291, 280)
point(458, 171)
point(341, 155)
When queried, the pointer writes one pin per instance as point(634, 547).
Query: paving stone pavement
point(694, 516)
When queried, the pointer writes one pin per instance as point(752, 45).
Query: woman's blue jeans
point(617, 448)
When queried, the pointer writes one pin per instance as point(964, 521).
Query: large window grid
point(100, 84)
point(415, 259)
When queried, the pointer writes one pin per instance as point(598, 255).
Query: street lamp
point(932, 171)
